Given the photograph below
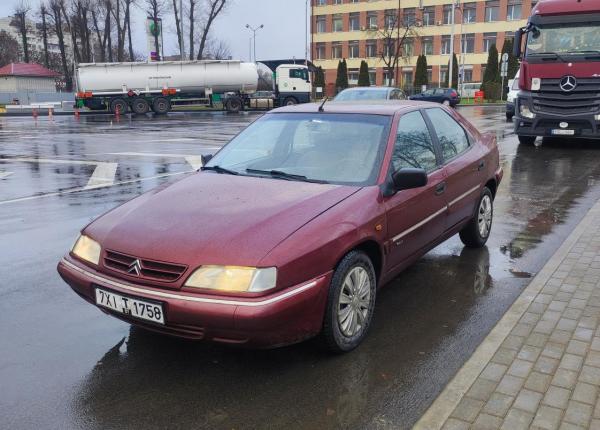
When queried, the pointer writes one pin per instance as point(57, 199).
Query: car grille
point(584, 99)
point(148, 269)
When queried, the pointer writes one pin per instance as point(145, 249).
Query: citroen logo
point(135, 268)
point(568, 83)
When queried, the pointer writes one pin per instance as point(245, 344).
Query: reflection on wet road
point(64, 364)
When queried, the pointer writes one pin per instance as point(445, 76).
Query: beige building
point(25, 77)
point(357, 29)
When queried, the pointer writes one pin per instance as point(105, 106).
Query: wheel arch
point(373, 250)
point(493, 187)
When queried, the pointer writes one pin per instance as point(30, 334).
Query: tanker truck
point(559, 79)
point(158, 86)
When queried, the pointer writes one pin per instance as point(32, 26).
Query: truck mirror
point(517, 43)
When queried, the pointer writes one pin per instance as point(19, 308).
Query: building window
point(408, 47)
point(373, 76)
point(443, 74)
point(429, 74)
point(468, 43)
point(407, 77)
point(372, 21)
point(445, 48)
point(447, 14)
point(321, 24)
point(489, 39)
point(337, 23)
point(336, 50)
point(338, 1)
point(429, 15)
point(409, 17)
point(467, 74)
point(371, 49)
point(513, 12)
point(427, 45)
point(321, 2)
point(390, 18)
point(353, 49)
point(469, 13)
point(389, 48)
point(388, 79)
point(354, 22)
point(320, 51)
point(492, 10)
point(353, 76)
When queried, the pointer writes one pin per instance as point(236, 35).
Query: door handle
point(440, 188)
point(481, 165)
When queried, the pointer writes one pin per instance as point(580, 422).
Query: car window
point(451, 136)
point(428, 92)
point(414, 146)
point(299, 73)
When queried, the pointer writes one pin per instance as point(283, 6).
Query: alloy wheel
point(484, 216)
point(354, 302)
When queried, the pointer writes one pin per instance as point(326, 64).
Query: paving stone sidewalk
point(540, 367)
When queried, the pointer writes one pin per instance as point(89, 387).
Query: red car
point(289, 229)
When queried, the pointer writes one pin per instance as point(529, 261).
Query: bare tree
point(9, 49)
point(55, 12)
point(192, 22)
point(128, 4)
point(19, 21)
point(178, 26)
point(215, 7)
point(44, 30)
point(155, 9)
point(217, 50)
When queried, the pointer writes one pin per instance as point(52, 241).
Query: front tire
point(119, 105)
point(509, 116)
point(527, 140)
point(350, 303)
point(140, 106)
point(476, 233)
point(290, 101)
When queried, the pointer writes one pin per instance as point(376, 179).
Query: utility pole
point(254, 30)
point(306, 33)
point(451, 63)
point(181, 30)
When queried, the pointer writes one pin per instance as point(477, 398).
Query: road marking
point(4, 175)
point(193, 160)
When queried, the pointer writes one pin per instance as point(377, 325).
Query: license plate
point(560, 132)
point(131, 307)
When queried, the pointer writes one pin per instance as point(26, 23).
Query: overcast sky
point(282, 37)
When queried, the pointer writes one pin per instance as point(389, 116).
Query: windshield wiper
point(285, 175)
point(549, 53)
point(219, 169)
point(587, 52)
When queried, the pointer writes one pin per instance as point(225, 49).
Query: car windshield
point(563, 39)
point(335, 148)
point(361, 95)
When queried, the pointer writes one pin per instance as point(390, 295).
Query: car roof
point(368, 89)
point(374, 107)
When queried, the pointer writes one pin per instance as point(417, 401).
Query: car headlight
point(87, 249)
point(526, 112)
point(233, 278)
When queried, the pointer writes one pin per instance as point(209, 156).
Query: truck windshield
point(345, 149)
point(564, 39)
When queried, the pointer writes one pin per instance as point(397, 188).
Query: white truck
point(157, 86)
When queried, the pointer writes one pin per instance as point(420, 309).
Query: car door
point(415, 217)
point(463, 165)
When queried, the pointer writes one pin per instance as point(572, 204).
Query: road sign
point(504, 69)
point(505, 57)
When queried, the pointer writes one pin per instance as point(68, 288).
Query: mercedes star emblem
point(568, 83)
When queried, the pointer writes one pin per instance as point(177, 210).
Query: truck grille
point(148, 269)
point(584, 99)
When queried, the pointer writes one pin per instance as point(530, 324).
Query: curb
point(437, 414)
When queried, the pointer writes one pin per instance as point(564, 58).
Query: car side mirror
point(206, 158)
point(406, 179)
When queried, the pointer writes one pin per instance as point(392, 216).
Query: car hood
point(209, 218)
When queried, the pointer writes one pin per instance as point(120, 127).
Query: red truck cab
point(560, 71)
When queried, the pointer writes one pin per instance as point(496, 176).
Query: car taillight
point(453, 94)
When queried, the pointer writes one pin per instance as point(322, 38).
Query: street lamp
point(254, 30)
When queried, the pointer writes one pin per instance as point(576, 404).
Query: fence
point(29, 97)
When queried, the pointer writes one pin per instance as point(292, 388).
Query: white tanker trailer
point(142, 86)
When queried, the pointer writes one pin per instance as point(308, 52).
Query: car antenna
point(322, 104)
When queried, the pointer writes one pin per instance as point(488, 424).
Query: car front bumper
point(284, 317)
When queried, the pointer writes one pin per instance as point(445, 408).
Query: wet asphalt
point(64, 364)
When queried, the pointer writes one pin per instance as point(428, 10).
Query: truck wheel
point(140, 106)
point(509, 116)
point(161, 105)
point(120, 105)
point(233, 104)
point(290, 101)
point(527, 140)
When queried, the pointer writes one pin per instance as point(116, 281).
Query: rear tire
point(527, 140)
point(350, 303)
point(476, 233)
point(509, 117)
point(161, 105)
point(290, 101)
point(446, 102)
point(120, 105)
point(233, 104)
point(140, 106)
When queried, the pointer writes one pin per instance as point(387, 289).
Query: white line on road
point(4, 175)
point(193, 160)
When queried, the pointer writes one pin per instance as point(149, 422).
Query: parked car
point(446, 96)
point(370, 93)
point(469, 89)
point(513, 91)
point(289, 230)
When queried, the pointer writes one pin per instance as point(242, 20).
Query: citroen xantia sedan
point(289, 230)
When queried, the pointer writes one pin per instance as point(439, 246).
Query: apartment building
point(34, 36)
point(360, 30)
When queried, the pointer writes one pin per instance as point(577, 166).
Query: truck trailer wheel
point(290, 101)
point(527, 140)
point(140, 106)
point(120, 105)
point(233, 104)
point(161, 105)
